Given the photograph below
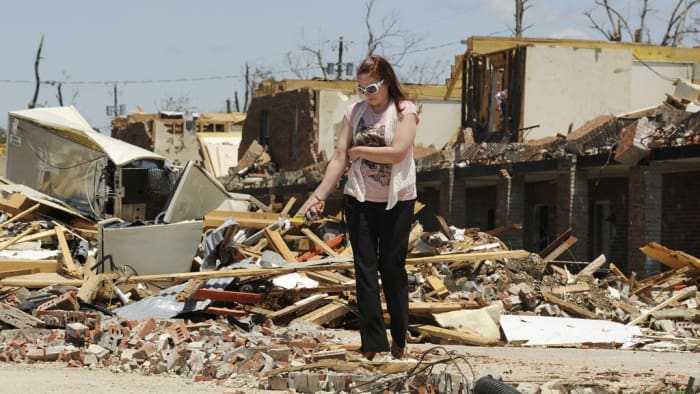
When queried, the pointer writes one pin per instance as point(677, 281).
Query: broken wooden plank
point(16, 272)
point(555, 244)
point(19, 237)
point(331, 243)
point(456, 260)
point(228, 296)
point(221, 311)
point(70, 268)
point(288, 206)
point(345, 366)
point(40, 235)
point(246, 219)
point(618, 273)
point(593, 266)
point(498, 231)
point(42, 265)
point(190, 289)
point(324, 314)
point(672, 258)
point(279, 245)
point(569, 307)
point(687, 292)
point(88, 289)
point(330, 277)
point(460, 260)
point(452, 335)
point(643, 286)
point(40, 280)
point(575, 288)
point(306, 302)
point(418, 307)
point(445, 227)
point(437, 285)
point(559, 270)
point(13, 203)
point(330, 289)
point(20, 215)
point(560, 249)
point(319, 242)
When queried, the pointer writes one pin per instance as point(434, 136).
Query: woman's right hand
point(313, 207)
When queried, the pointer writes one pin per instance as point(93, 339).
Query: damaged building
point(213, 284)
point(549, 163)
point(208, 139)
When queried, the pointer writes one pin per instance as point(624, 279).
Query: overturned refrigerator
point(56, 151)
point(125, 189)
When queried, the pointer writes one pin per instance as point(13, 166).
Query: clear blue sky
point(89, 43)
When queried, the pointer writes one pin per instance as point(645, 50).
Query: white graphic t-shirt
point(371, 129)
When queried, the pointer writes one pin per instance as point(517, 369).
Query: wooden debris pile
point(258, 275)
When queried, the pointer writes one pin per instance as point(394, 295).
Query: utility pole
point(339, 67)
point(115, 110)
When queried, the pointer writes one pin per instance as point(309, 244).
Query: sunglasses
point(370, 89)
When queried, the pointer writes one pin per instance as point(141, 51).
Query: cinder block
point(90, 359)
point(53, 353)
point(98, 351)
point(337, 382)
point(279, 354)
point(77, 333)
point(278, 382)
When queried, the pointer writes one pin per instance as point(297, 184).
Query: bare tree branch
point(305, 62)
point(597, 26)
point(676, 23)
point(32, 103)
point(520, 8)
point(621, 21)
point(676, 29)
point(386, 39)
point(319, 59)
point(642, 21)
point(59, 94)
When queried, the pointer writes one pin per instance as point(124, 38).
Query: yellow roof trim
point(484, 45)
point(481, 45)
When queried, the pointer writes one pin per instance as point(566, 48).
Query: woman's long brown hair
point(380, 67)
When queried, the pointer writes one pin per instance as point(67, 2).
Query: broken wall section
point(286, 124)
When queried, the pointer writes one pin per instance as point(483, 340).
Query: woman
point(377, 143)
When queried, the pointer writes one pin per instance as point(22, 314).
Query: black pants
point(379, 240)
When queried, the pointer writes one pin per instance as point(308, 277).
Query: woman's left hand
point(353, 154)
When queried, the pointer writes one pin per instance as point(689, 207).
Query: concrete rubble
point(268, 301)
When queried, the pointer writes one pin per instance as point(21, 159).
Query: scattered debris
point(222, 286)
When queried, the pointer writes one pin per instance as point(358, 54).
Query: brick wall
point(614, 192)
point(479, 201)
point(447, 176)
point(538, 235)
point(459, 203)
point(510, 199)
point(681, 212)
point(645, 194)
point(289, 116)
point(572, 207)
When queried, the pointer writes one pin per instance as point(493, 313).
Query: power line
point(427, 49)
point(174, 80)
point(127, 81)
